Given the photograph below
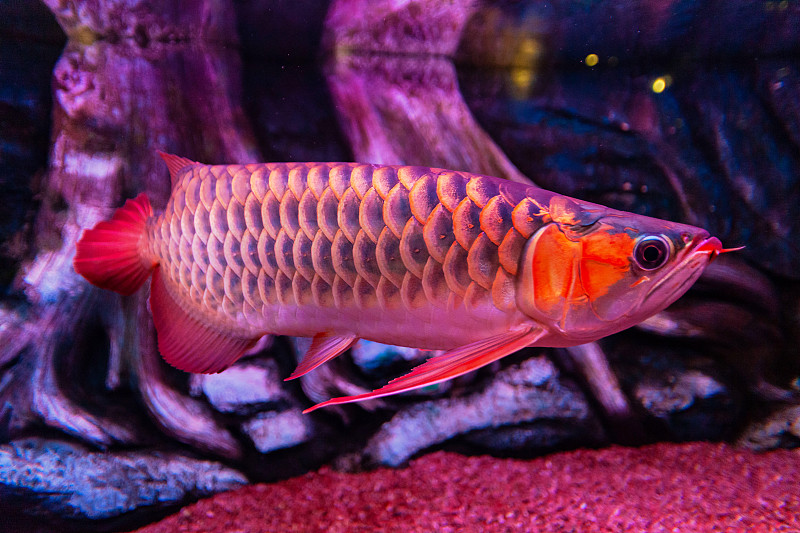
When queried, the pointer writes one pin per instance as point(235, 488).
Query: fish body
point(413, 256)
point(293, 247)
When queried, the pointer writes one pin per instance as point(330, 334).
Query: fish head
point(590, 271)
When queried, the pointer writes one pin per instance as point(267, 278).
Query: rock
point(274, 431)
point(688, 396)
point(780, 429)
point(520, 394)
point(370, 356)
point(243, 389)
point(679, 394)
point(55, 481)
point(531, 438)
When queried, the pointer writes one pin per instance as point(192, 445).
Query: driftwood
point(127, 84)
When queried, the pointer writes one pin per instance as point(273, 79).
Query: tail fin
point(109, 254)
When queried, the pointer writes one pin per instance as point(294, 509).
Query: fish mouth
point(713, 247)
point(702, 247)
point(710, 246)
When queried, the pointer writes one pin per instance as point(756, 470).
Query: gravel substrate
point(663, 487)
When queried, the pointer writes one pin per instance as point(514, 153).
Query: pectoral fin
point(449, 365)
point(324, 347)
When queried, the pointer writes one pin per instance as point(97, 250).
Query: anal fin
point(324, 347)
point(185, 342)
point(449, 365)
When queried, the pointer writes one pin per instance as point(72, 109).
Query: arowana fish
point(412, 256)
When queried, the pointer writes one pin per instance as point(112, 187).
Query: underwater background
point(688, 111)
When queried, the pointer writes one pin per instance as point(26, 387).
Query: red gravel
point(664, 487)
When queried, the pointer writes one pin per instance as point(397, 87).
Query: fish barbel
point(412, 256)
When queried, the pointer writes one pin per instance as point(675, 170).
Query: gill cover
point(577, 273)
point(575, 281)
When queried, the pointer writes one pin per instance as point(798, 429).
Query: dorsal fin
point(175, 164)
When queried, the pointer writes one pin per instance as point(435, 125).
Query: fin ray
point(448, 365)
point(109, 254)
point(175, 164)
point(324, 347)
point(185, 342)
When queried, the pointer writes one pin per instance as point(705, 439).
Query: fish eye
point(651, 252)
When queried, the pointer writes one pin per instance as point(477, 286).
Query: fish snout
point(712, 247)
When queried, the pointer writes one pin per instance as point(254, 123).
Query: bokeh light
point(661, 83)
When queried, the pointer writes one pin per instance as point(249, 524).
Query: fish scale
point(415, 256)
point(374, 229)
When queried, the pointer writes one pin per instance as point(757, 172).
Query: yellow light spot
point(523, 72)
point(661, 83)
point(522, 80)
point(84, 35)
point(591, 60)
point(529, 51)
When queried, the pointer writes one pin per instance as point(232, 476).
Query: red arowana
point(412, 256)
